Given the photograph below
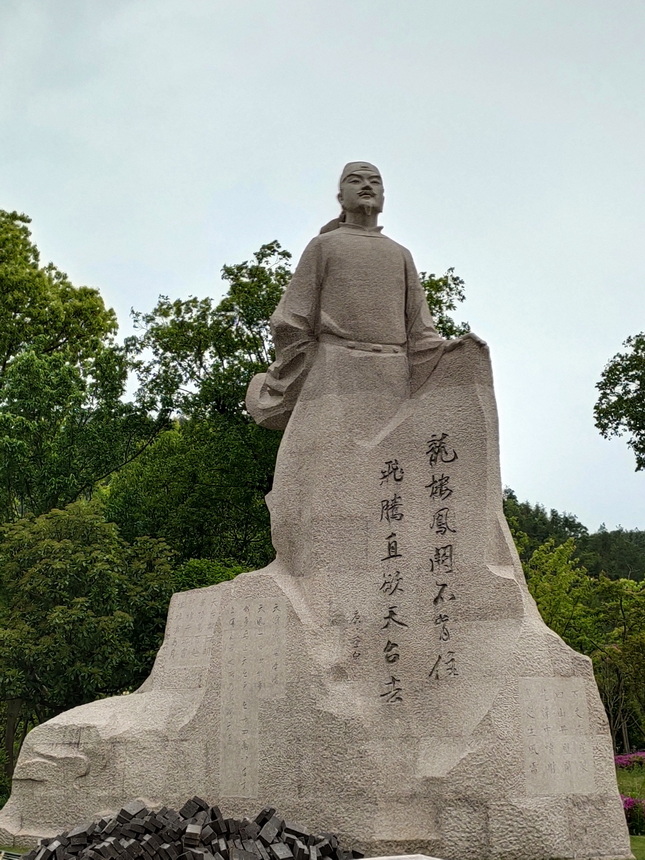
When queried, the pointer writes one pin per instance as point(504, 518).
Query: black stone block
point(300, 850)
point(240, 854)
point(195, 804)
point(298, 831)
point(252, 829)
point(196, 832)
point(264, 854)
point(270, 829)
point(188, 809)
point(219, 826)
point(250, 847)
point(280, 851)
point(192, 835)
point(131, 810)
point(264, 814)
point(208, 834)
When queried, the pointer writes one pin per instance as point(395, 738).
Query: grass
point(638, 846)
point(631, 781)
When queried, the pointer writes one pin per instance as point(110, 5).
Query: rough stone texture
point(484, 737)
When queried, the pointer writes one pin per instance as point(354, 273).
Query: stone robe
point(356, 287)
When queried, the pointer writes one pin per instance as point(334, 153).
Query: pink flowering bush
point(630, 759)
point(635, 814)
point(634, 806)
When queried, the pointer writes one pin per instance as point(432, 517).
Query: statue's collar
point(357, 228)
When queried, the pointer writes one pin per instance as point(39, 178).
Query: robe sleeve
point(425, 344)
point(272, 396)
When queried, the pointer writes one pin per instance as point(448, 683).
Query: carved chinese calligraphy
point(442, 559)
point(558, 756)
point(253, 637)
point(392, 581)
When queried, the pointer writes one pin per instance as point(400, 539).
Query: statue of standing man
point(354, 288)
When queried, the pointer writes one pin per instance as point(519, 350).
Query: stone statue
point(354, 288)
point(388, 676)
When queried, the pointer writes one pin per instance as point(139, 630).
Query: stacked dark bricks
point(197, 832)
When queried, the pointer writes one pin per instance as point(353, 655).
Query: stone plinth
point(388, 677)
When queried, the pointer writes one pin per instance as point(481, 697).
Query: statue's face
point(362, 191)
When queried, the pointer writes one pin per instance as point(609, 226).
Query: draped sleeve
point(294, 326)
point(425, 344)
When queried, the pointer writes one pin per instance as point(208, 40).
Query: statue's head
point(361, 188)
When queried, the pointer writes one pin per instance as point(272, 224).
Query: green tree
point(201, 487)
point(620, 408)
point(197, 357)
point(602, 618)
point(82, 612)
point(537, 526)
point(444, 293)
point(619, 554)
point(619, 658)
point(40, 309)
point(63, 423)
point(561, 588)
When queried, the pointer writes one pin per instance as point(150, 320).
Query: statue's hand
point(478, 340)
point(458, 341)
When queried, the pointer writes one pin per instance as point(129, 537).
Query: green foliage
point(620, 408)
point(40, 309)
point(619, 658)
point(196, 357)
point(599, 615)
point(561, 590)
point(202, 572)
point(602, 618)
point(63, 424)
point(82, 613)
point(443, 294)
point(618, 554)
point(201, 487)
point(537, 526)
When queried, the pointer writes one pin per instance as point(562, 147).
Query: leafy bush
point(635, 814)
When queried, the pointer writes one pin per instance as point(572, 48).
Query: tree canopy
point(620, 408)
point(63, 423)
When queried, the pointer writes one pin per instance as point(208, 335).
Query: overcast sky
point(152, 141)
